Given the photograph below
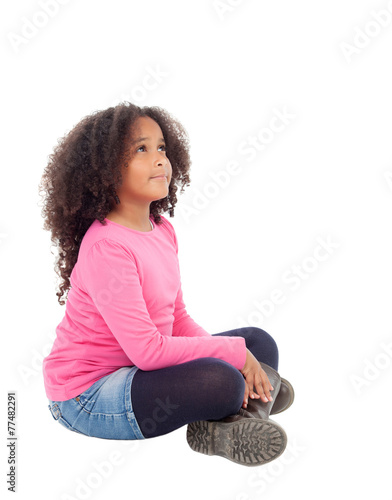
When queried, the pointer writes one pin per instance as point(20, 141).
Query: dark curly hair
point(81, 177)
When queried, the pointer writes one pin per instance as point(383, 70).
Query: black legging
point(202, 389)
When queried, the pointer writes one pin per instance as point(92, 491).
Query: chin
point(162, 192)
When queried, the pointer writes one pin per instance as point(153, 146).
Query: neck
point(133, 216)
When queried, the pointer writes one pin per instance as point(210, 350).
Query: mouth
point(161, 177)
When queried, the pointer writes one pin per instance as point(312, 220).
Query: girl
point(128, 361)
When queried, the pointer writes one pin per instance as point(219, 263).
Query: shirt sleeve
point(111, 279)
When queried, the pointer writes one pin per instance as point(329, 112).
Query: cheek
point(137, 176)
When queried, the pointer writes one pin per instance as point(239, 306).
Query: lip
point(162, 177)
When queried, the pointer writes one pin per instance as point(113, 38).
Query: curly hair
point(84, 170)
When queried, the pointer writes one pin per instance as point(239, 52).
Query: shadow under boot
point(248, 438)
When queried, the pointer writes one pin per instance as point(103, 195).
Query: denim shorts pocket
point(55, 410)
point(104, 410)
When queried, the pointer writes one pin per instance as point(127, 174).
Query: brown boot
point(247, 438)
point(283, 393)
point(285, 397)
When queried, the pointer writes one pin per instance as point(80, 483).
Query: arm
point(112, 281)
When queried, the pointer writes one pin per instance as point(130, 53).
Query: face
point(141, 183)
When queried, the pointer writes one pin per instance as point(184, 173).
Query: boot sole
point(249, 442)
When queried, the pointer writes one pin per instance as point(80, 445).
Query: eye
point(161, 146)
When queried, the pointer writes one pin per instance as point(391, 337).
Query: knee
point(262, 345)
point(267, 338)
point(225, 381)
point(218, 370)
point(258, 335)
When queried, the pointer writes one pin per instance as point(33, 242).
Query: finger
point(271, 388)
point(267, 387)
point(254, 394)
point(263, 389)
point(249, 383)
point(260, 390)
point(246, 395)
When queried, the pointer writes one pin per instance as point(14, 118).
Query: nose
point(161, 160)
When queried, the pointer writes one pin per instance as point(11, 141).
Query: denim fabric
point(104, 410)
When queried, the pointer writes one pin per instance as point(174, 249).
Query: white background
point(326, 176)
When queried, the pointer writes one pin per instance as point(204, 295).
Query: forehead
point(145, 126)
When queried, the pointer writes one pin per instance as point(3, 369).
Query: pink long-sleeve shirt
point(124, 308)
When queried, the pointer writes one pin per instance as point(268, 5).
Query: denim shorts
point(104, 410)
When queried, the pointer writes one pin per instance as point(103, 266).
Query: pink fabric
point(125, 307)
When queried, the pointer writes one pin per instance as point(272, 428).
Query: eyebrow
point(140, 139)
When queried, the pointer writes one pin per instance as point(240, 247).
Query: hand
point(256, 377)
